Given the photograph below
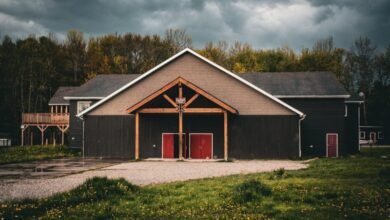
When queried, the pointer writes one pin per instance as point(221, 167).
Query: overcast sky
point(263, 24)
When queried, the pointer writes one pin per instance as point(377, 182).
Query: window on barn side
point(362, 135)
point(82, 105)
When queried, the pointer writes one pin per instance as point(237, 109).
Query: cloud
point(264, 24)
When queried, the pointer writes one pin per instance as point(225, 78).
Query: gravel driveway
point(142, 173)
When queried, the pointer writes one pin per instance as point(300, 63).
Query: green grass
point(356, 187)
point(35, 152)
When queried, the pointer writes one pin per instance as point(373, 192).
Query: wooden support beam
point(225, 135)
point(158, 110)
point(42, 128)
point(136, 135)
point(203, 110)
point(191, 100)
point(180, 124)
point(170, 100)
point(208, 96)
point(152, 96)
point(63, 129)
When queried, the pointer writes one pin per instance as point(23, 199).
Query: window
point(82, 105)
point(380, 135)
point(362, 135)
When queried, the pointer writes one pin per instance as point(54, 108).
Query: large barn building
point(191, 108)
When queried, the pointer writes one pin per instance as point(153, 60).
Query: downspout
point(300, 141)
point(83, 138)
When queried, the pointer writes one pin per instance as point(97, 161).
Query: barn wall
point(322, 116)
point(75, 125)
point(153, 125)
point(352, 129)
point(109, 136)
point(263, 136)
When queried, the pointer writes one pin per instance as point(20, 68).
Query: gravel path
point(142, 173)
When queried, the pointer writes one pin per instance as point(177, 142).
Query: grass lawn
point(35, 152)
point(356, 187)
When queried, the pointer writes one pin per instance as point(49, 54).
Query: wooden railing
point(45, 118)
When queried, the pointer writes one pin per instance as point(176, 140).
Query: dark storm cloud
point(267, 24)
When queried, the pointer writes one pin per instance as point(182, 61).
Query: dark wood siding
point(75, 125)
point(263, 137)
point(153, 125)
point(109, 136)
point(322, 116)
point(352, 129)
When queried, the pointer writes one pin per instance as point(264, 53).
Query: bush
point(99, 188)
point(252, 190)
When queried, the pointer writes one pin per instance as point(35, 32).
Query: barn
point(191, 108)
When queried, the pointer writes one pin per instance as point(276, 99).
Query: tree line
point(32, 68)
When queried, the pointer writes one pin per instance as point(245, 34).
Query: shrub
point(279, 172)
point(252, 190)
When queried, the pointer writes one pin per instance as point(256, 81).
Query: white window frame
point(79, 103)
point(362, 137)
point(380, 135)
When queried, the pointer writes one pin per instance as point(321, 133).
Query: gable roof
point(298, 84)
point(101, 86)
point(58, 97)
point(187, 50)
point(175, 82)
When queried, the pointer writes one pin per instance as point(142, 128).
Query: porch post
point(180, 125)
point(225, 132)
point(137, 135)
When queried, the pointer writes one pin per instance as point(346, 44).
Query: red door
point(168, 145)
point(201, 146)
point(332, 142)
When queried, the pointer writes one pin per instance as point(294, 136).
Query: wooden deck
point(50, 119)
point(42, 121)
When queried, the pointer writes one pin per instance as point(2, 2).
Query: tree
point(360, 66)
point(76, 49)
point(178, 39)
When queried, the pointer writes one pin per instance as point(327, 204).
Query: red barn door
point(332, 145)
point(168, 145)
point(201, 146)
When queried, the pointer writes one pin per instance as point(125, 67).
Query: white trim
point(313, 96)
point(362, 137)
point(337, 143)
point(345, 110)
point(380, 135)
point(162, 145)
point(82, 102)
point(360, 102)
point(58, 104)
point(212, 144)
point(202, 58)
point(82, 98)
